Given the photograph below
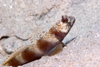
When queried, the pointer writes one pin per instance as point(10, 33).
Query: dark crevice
point(49, 10)
point(21, 38)
point(8, 52)
point(4, 37)
point(4, 50)
point(76, 3)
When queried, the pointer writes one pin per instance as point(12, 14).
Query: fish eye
point(64, 19)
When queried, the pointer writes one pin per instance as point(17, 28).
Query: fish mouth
point(68, 19)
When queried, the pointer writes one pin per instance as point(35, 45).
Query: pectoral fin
point(56, 49)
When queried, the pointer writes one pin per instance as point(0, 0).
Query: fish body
point(49, 44)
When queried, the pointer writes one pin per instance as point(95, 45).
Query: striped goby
point(49, 44)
